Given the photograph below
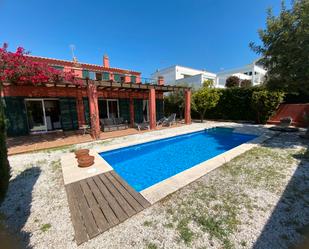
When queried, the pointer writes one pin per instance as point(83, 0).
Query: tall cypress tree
point(5, 172)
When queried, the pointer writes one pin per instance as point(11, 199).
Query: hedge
point(237, 104)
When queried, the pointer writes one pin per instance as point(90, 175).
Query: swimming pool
point(146, 164)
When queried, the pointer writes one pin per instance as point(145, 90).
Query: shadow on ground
point(288, 224)
point(17, 208)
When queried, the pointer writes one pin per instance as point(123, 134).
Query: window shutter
point(133, 78)
point(85, 74)
point(105, 76)
point(68, 111)
point(16, 116)
point(138, 110)
point(86, 110)
point(159, 109)
point(124, 109)
point(117, 77)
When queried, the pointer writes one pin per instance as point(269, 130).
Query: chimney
point(160, 80)
point(105, 61)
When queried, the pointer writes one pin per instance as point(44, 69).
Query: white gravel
point(36, 208)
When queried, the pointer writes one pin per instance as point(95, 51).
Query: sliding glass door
point(112, 108)
point(36, 115)
point(43, 114)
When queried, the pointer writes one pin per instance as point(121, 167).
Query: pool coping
point(156, 192)
point(166, 187)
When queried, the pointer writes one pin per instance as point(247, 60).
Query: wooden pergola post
point(94, 110)
point(131, 112)
point(80, 108)
point(152, 108)
point(187, 106)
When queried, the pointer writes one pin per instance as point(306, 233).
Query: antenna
point(72, 46)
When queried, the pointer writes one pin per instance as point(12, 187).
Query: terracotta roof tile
point(82, 65)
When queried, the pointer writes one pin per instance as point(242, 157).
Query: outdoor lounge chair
point(161, 120)
point(113, 124)
point(170, 120)
point(284, 125)
point(143, 126)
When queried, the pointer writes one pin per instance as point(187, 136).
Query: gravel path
point(258, 200)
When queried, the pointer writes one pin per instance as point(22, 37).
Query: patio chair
point(161, 120)
point(85, 129)
point(170, 120)
point(143, 126)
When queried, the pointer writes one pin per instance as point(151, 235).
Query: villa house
point(106, 92)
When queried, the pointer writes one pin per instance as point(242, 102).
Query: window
point(98, 76)
point(92, 75)
point(60, 68)
point(117, 77)
point(106, 76)
point(133, 79)
point(108, 108)
point(186, 75)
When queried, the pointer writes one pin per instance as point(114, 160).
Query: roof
point(82, 65)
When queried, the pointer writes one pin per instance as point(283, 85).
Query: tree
point(265, 103)
point(285, 48)
point(208, 83)
point(19, 69)
point(246, 83)
point(205, 99)
point(232, 81)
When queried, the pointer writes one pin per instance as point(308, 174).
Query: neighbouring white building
point(254, 72)
point(179, 75)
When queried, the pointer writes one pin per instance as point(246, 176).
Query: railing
point(149, 81)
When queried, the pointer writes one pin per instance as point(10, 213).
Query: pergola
point(94, 89)
point(147, 90)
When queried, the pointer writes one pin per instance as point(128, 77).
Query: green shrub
point(237, 104)
point(265, 103)
point(232, 81)
point(246, 83)
point(234, 104)
point(4, 163)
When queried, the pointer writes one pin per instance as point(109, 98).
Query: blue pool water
point(145, 164)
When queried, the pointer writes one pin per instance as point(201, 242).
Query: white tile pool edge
point(72, 173)
point(164, 188)
point(156, 192)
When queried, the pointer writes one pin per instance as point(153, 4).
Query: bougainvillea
point(16, 67)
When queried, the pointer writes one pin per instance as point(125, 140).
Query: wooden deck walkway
point(101, 202)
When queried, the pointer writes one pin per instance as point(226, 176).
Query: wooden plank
point(108, 212)
point(122, 202)
point(133, 203)
point(89, 221)
point(132, 191)
point(79, 228)
point(121, 215)
point(93, 205)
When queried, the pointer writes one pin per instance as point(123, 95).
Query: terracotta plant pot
point(81, 152)
point(85, 161)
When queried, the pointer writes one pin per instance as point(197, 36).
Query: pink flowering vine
point(17, 68)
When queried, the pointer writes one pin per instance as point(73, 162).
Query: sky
point(139, 35)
